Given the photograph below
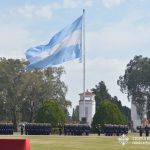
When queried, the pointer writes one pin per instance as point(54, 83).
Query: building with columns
point(87, 107)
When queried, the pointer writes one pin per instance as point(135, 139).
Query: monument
point(135, 118)
point(87, 107)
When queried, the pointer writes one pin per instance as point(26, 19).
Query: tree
point(75, 114)
point(50, 112)
point(33, 94)
point(108, 113)
point(101, 93)
point(117, 102)
point(136, 83)
point(22, 93)
point(124, 109)
point(41, 85)
point(10, 81)
point(127, 113)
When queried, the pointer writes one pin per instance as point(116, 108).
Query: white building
point(135, 118)
point(88, 110)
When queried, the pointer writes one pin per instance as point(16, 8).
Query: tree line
point(24, 94)
point(29, 96)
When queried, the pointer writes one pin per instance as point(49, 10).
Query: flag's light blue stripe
point(72, 39)
point(57, 38)
point(65, 54)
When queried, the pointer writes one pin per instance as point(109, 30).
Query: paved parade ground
point(92, 142)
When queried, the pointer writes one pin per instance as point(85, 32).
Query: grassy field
point(92, 142)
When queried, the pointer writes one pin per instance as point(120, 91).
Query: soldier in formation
point(60, 129)
point(76, 129)
point(140, 130)
point(111, 130)
point(37, 129)
point(6, 128)
point(147, 130)
point(98, 128)
point(22, 129)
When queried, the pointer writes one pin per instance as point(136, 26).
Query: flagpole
point(83, 62)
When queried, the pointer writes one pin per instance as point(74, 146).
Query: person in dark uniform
point(65, 130)
point(141, 131)
point(106, 130)
point(60, 130)
point(26, 129)
point(22, 129)
point(99, 129)
point(147, 131)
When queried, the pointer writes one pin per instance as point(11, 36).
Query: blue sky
point(115, 31)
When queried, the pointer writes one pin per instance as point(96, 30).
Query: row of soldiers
point(37, 129)
point(145, 129)
point(110, 130)
point(6, 128)
point(77, 129)
point(69, 129)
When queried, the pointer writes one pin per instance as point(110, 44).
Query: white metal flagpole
point(83, 51)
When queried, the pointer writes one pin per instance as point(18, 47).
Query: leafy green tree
point(101, 93)
point(10, 80)
point(108, 113)
point(22, 93)
point(117, 102)
point(2, 110)
point(127, 113)
point(41, 85)
point(33, 93)
point(50, 112)
point(75, 114)
point(136, 83)
point(124, 109)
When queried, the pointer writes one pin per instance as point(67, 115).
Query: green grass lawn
point(92, 142)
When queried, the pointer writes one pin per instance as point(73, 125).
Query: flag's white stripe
point(72, 39)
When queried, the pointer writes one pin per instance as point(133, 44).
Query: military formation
point(37, 129)
point(69, 129)
point(6, 128)
point(117, 130)
point(77, 129)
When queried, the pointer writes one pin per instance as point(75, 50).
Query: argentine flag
point(64, 46)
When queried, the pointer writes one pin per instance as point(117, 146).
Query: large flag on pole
point(64, 46)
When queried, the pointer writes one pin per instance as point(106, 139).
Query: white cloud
point(111, 3)
point(77, 3)
point(26, 11)
point(120, 35)
point(44, 11)
point(31, 11)
point(70, 3)
point(12, 41)
point(88, 3)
